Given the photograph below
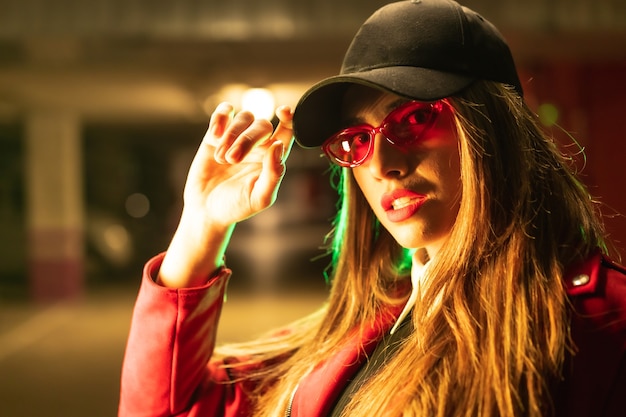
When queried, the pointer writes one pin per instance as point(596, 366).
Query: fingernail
point(284, 108)
point(223, 107)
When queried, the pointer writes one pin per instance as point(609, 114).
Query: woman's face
point(414, 192)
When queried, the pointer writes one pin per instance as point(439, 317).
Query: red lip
point(415, 201)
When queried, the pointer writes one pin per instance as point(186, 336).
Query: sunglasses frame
point(385, 128)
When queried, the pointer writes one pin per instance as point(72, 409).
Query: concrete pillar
point(54, 199)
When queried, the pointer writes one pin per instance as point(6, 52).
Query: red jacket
point(172, 336)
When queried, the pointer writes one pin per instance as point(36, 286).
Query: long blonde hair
point(491, 330)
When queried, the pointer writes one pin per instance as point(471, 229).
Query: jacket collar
point(317, 392)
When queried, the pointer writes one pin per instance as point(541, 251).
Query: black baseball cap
point(419, 49)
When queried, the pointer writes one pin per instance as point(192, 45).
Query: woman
point(470, 275)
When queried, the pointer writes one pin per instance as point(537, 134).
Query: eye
point(360, 138)
point(417, 116)
point(349, 142)
point(407, 123)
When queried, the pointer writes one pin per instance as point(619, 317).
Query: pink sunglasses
point(402, 127)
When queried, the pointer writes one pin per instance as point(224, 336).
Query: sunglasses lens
point(407, 123)
point(350, 146)
point(402, 127)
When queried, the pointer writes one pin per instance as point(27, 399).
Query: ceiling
point(147, 59)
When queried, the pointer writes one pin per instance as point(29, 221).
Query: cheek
point(453, 187)
point(443, 167)
point(452, 175)
point(368, 187)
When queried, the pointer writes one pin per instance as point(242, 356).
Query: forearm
point(195, 252)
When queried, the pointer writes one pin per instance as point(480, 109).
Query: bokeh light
point(137, 205)
point(548, 114)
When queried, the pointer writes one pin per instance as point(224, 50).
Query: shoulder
point(597, 291)
point(596, 377)
point(595, 276)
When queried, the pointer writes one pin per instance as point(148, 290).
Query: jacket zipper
point(290, 404)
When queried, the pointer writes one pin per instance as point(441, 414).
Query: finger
point(256, 133)
point(284, 130)
point(239, 123)
point(272, 173)
point(220, 118)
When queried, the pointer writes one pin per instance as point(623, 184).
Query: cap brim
point(318, 113)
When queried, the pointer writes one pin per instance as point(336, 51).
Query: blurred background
point(102, 105)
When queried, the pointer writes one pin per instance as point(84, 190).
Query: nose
point(387, 160)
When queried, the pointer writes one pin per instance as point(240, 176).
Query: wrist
point(195, 252)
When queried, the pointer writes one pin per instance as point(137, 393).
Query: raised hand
point(235, 174)
point(239, 166)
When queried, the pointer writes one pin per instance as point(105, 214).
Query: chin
point(411, 241)
point(417, 237)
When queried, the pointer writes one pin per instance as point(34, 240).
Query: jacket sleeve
point(166, 369)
